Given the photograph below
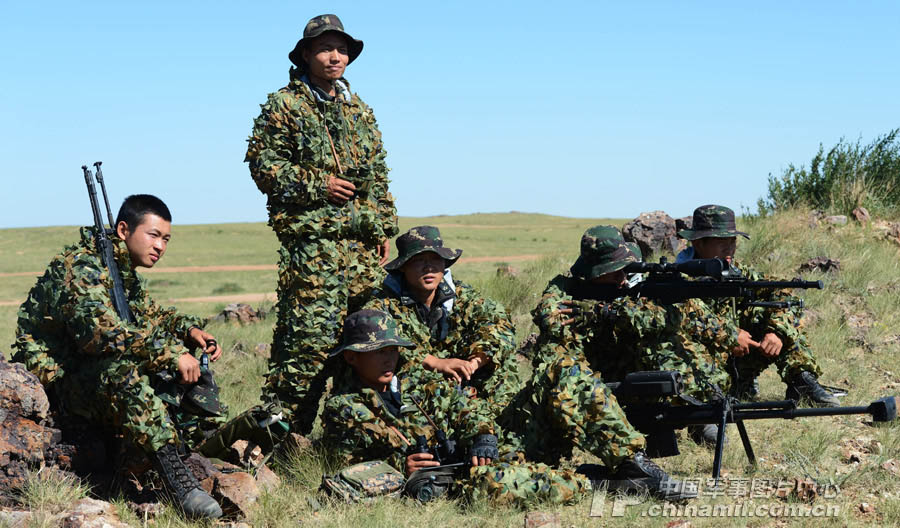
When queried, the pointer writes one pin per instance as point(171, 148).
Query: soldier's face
point(710, 247)
point(616, 278)
point(327, 56)
point(147, 243)
point(375, 369)
point(424, 272)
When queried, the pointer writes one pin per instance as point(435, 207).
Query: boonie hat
point(603, 250)
point(369, 330)
point(318, 25)
point(714, 221)
point(422, 239)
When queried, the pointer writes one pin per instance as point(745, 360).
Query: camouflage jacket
point(461, 324)
point(358, 426)
point(634, 336)
point(291, 160)
point(69, 314)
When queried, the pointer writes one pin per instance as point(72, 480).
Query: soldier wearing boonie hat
point(626, 335)
point(460, 333)
point(317, 154)
point(767, 336)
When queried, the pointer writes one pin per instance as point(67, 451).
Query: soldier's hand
point(745, 341)
point(770, 346)
point(340, 190)
point(188, 369)
point(481, 461)
point(454, 368)
point(584, 313)
point(205, 341)
point(384, 251)
point(417, 461)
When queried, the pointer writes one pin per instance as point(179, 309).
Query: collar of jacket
point(445, 295)
point(301, 81)
point(120, 253)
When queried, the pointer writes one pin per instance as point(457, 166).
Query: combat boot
point(639, 473)
point(183, 485)
point(805, 385)
point(746, 390)
point(707, 434)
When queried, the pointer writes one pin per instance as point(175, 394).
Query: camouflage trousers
point(521, 484)
point(111, 393)
point(320, 281)
point(567, 405)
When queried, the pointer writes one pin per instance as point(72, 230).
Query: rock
point(542, 520)
point(15, 519)
point(297, 443)
point(823, 264)
point(653, 232)
point(266, 479)
point(685, 222)
point(680, 523)
point(200, 466)
point(240, 312)
point(507, 271)
point(247, 453)
point(526, 349)
point(887, 230)
point(861, 215)
point(92, 513)
point(836, 220)
point(865, 507)
point(263, 350)
point(892, 466)
point(236, 493)
point(146, 510)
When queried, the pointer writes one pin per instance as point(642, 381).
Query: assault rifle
point(104, 246)
point(665, 284)
point(658, 421)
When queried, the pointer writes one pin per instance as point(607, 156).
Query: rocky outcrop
point(654, 233)
point(241, 313)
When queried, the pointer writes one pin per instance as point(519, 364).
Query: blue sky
point(591, 109)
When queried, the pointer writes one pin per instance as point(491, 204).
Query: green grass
point(862, 360)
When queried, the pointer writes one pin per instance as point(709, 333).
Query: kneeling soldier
point(103, 369)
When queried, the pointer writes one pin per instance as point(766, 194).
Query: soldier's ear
point(122, 229)
point(350, 357)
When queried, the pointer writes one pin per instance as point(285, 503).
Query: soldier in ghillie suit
point(316, 152)
point(628, 335)
point(100, 368)
point(374, 414)
point(458, 332)
point(768, 336)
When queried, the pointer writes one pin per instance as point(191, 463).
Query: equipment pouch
point(364, 482)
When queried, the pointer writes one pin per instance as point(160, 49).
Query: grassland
point(852, 326)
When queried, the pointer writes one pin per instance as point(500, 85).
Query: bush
point(848, 176)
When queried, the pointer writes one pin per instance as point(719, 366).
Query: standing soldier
point(460, 333)
point(316, 152)
point(768, 336)
point(108, 371)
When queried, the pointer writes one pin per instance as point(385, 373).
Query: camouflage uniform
point(635, 334)
point(93, 364)
point(796, 355)
point(566, 406)
point(461, 323)
point(328, 261)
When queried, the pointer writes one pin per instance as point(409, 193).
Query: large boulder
point(653, 232)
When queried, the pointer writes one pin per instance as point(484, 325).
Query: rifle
point(104, 246)
point(429, 483)
point(665, 284)
point(658, 421)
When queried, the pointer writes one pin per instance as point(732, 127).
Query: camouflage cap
point(714, 221)
point(315, 27)
point(603, 250)
point(369, 330)
point(421, 239)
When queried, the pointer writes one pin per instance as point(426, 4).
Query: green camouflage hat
point(714, 221)
point(315, 27)
point(421, 239)
point(369, 330)
point(603, 250)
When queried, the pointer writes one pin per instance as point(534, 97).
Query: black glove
point(485, 446)
point(589, 313)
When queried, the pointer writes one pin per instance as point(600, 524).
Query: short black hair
point(136, 206)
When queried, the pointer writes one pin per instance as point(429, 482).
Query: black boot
point(707, 434)
point(181, 482)
point(746, 389)
point(639, 473)
point(805, 385)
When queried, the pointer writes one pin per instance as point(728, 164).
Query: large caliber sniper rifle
point(665, 283)
point(104, 245)
point(658, 421)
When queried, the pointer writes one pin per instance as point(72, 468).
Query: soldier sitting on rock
point(458, 332)
point(109, 371)
point(768, 336)
point(409, 421)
